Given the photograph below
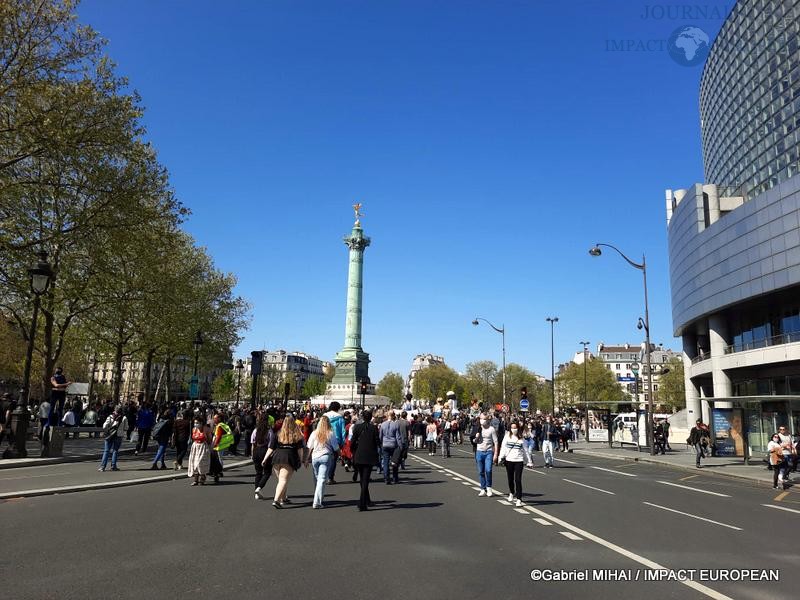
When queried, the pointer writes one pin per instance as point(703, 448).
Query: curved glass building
point(750, 98)
point(734, 241)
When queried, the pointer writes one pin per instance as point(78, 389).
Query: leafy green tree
point(223, 387)
point(392, 386)
point(518, 377)
point(480, 379)
point(671, 393)
point(314, 386)
point(435, 381)
point(600, 384)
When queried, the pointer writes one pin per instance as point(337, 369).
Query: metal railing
point(775, 340)
point(700, 358)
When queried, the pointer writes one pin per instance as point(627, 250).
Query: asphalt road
point(429, 536)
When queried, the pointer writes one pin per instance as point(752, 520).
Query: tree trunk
point(118, 365)
point(148, 367)
point(168, 386)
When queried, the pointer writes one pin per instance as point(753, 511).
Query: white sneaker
point(511, 497)
point(530, 465)
point(518, 503)
point(489, 492)
point(258, 494)
point(482, 493)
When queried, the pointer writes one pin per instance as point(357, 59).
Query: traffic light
point(363, 388)
point(524, 393)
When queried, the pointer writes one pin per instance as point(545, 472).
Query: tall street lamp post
point(502, 331)
point(595, 251)
point(585, 394)
point(296, 390)
point(194, 387)
point(552, 321)
point(40, 280)
point(239, 367)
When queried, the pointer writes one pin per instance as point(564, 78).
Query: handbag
point(135, 437)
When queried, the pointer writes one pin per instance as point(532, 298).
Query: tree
point(671, 392)
point(600, 384)
point(392, 386)
point(224, 387)
point(518, 377)
point(314, 386)
point(479, 381)
point(435, 381)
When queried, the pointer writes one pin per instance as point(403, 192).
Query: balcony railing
point(700, 358)
point(776, 340)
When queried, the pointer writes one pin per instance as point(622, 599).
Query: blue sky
point(491, 142)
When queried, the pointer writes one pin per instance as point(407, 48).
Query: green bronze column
point(352, 363)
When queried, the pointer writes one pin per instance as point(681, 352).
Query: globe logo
point(689, 46)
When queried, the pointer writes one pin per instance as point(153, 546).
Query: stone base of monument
point(350, 398)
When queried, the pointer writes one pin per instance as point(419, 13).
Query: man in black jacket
point(365, 445)
point(700, 438)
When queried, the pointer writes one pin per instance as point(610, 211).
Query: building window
point(617, 367)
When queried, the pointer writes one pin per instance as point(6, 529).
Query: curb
point(106, 484)
point(19, 463)
point(705, 471)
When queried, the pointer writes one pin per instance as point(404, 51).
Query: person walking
point(113, 430)
point(365, 445)
point(145, 419)
point(700, 439)
point(446, 437)
point(513, 453)
point(431, 433)
point(287, 451)
point(549, 435)
point(162, 434)
point(779, 462)
point(527, 444)
point(788, 449)
point(402, 424)
point(323, 446)
point(200, 454)
point(181, 432)
point(486, 454)
point(337, 425)
point(391, 448)
point(261, 438)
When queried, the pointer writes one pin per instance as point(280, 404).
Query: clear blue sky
point(491, 142)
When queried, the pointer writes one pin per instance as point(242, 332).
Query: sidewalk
point(84, 448)
point(49, 479)
point(726, 466)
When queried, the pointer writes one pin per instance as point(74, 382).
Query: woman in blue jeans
point(323, 445)
point(113, 430)
point(486, 452)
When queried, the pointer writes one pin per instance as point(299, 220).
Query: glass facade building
point(734, 240)
point(750, 98)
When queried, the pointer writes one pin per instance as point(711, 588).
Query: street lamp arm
point(489, 323)
point(635, 265)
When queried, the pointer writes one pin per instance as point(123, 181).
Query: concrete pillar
point(718, 338)
point(693, 407)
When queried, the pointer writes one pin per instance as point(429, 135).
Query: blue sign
point(523, 404)
point(627, 379)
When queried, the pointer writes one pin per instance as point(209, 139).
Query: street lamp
point(194, 387)
point(296, 390)
point(643, 324)
point(552, 321)
point(585, 395)
point(502, 331)
point(239, 367)
point(40, 280)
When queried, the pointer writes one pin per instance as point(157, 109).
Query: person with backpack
point(323, 446)
point(162, 434)
point(113, 429)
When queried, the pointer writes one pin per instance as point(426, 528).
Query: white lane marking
point(466, 483)
point(504, 502)
point(680, 512)
point(542, 521)
point(36, 476)
point(613, 471)
point(569, 462)
point(650, 564)
point(477, 489)
point(537, 471)
point(694, 489)
point(521, 511)
point(589, 486)
point(782, 508)
point(570, 535)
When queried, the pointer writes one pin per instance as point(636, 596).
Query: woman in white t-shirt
point(323, 445)
point(513, 452)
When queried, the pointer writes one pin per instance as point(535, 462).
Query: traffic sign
point(523, 405)
point(626, 379)
point(505, 408)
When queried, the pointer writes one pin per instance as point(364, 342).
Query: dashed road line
point(521, 511)
point(694, 489)
point(589, 486)
point(781, 496)
point(792, 510)
point(613, 471)
point(570, 535)
point(688, 478)
point(650, 564)
point(680, 512)
point(504, 502)
point(541, 521)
